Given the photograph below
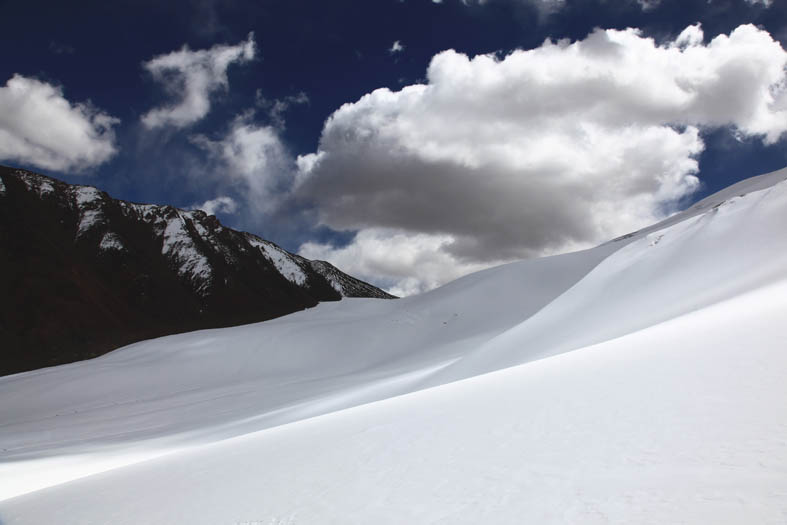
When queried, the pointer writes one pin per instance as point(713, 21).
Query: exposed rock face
point(82, 273)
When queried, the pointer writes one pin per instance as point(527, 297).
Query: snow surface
point(641, 381)
point(2, 187)
point(673, 424)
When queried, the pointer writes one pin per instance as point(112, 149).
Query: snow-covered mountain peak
point(137, 270)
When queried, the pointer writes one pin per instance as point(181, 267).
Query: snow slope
point(665, 405)
point(641, 429)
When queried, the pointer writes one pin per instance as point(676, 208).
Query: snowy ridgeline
point(127, 272)
point(188, 238)
point(641, 381)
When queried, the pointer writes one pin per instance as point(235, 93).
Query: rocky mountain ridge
point(84, 273)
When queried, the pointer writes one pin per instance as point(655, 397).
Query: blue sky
point(447, 171)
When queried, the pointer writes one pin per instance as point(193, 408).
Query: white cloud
point(221, 204)
point(766, 3)
point(253, 157)
point(692, 36)
point(278, 107)
point(396, 47)
point(542, 151)
point(39, 126)
point(388, 257)
point(191, 77)
point(647, 5)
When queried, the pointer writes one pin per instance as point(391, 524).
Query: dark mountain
point(82, 273)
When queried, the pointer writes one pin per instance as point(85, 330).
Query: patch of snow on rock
point(84, 195)
point(147, 212)
point(2, 187)
point(36, 183)
point(180, 248)
point(88, 220)
point(45, 188)
point(111, 242)
point(335, 284)
point(197, 217)
point(88, 202)
point(201, 230)
point(282, 260)
point(324, 270)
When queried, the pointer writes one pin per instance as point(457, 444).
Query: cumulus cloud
point(39, 126)
point(396, 47)
point(388, 257)
point(766, 3)
point(221, 204)
point(190, 77)
point(540, 151)
point(251, 156)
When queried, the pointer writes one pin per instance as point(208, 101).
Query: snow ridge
point(196, 246)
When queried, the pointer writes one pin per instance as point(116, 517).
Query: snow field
point(639, 381)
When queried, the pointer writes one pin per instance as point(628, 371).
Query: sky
point(409, 142)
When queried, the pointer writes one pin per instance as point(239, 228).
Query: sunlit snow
point(641, 381)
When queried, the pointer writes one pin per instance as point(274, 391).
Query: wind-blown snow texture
point(641, 381)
